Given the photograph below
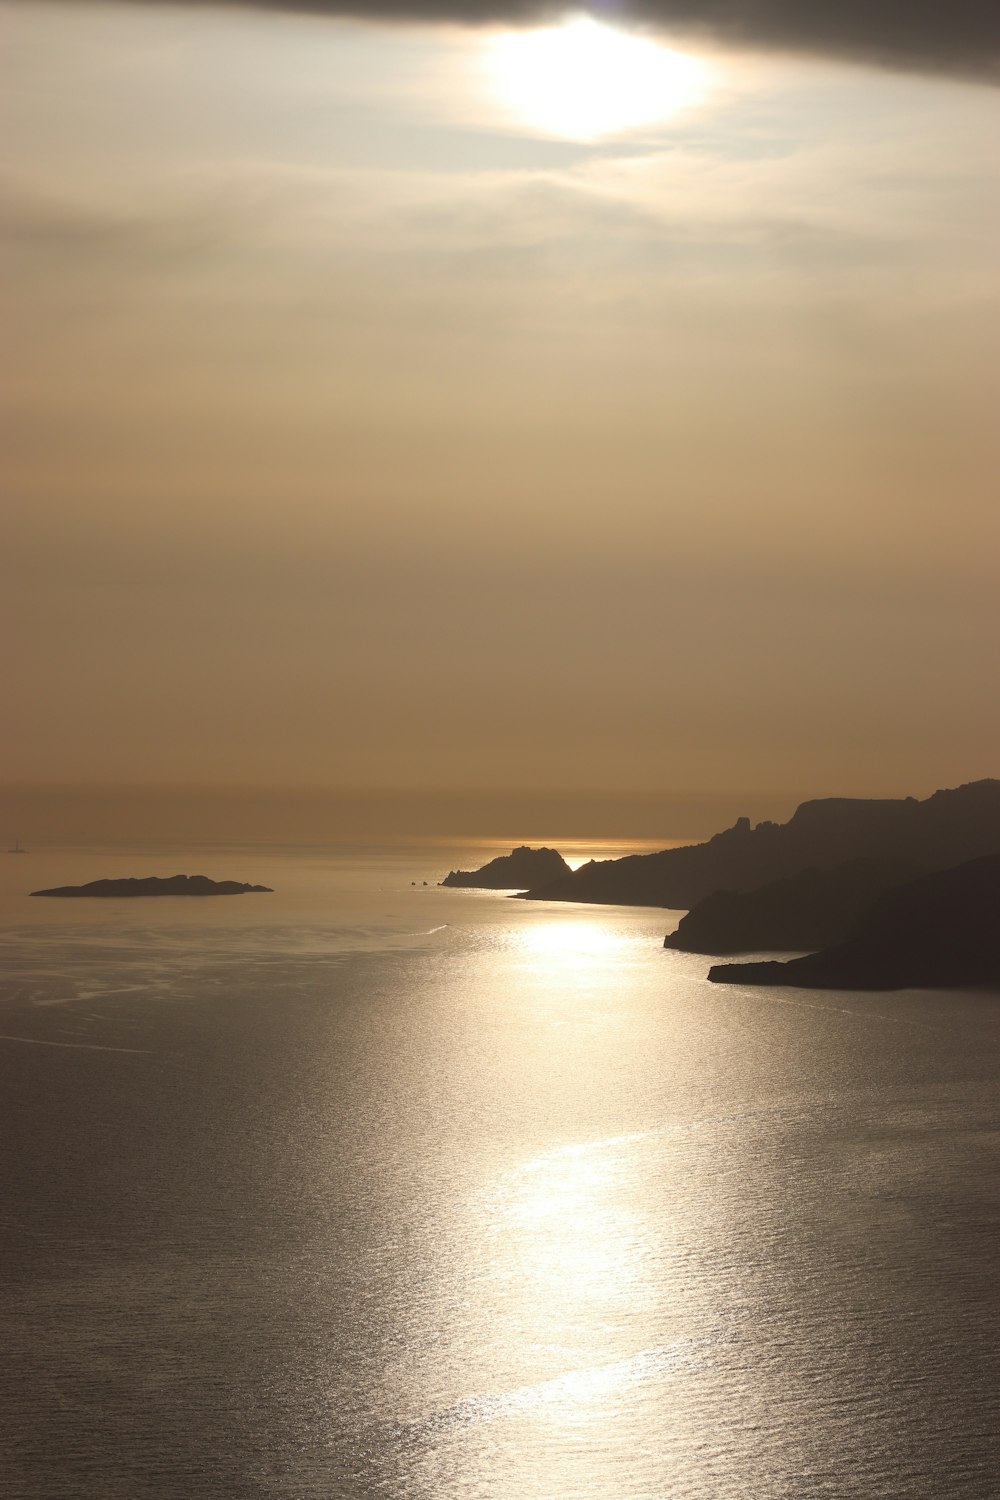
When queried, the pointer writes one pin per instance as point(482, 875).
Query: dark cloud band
point(959, 36)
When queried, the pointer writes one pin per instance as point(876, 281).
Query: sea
point(373, 1188)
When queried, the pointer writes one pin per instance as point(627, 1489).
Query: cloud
point(44, 219)
point(961, 37)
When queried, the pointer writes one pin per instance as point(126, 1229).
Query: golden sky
point(375, 423)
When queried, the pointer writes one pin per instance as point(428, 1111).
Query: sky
point(485, 423)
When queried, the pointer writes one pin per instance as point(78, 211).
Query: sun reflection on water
point(573, 943)
point(576, 1235)
point(568, 1246)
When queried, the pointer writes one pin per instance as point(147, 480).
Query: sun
point(584, 80)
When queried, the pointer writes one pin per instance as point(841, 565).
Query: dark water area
point(394, 1191)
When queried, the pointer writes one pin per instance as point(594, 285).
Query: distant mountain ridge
point(947, 828)
point(516, 871)
point(939, 932)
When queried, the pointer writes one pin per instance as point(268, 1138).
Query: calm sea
point(375, 1189)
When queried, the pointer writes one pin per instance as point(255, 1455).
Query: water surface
point(376, 1189)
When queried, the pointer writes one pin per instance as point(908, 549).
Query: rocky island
point(941, 931)
point(155, 885)
point(517, 871)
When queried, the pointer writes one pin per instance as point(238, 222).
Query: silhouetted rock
point(156, 885)
point(809, 910)
point(939, 932)
point(947, 828)
point(516, 871)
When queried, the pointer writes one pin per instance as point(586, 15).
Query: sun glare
point(583, 80)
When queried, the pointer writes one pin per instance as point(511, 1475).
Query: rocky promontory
point(805, 911)
point(156, 885)
point(941, 931)
point(517, 871)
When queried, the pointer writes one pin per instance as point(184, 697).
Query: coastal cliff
point(941, 931)
point(947, 828)
point(805, 911)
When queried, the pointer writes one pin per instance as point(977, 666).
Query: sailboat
point(17, 848)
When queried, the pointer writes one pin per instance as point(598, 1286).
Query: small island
point(155, 885)
point(517, 871)
point(939, 932)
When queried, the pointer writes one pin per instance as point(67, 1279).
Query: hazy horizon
point(305, 816)
point(315, 816)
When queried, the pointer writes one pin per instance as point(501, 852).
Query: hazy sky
point(384, 416)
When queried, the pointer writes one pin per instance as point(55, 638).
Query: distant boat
point(17, 848)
